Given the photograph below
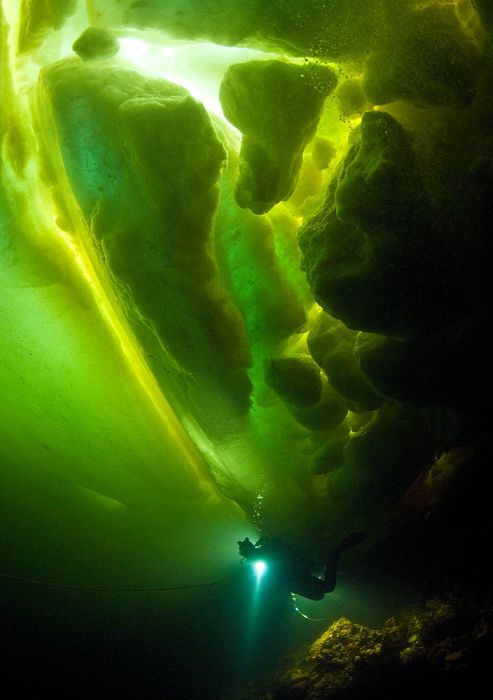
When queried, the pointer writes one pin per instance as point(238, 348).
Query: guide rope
point(102, 589)
point(113, 589)
point(307, 617)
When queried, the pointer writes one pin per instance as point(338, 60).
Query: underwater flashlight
point(260, 567)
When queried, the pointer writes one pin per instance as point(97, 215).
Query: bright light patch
point(197, 66)
point(260, 567)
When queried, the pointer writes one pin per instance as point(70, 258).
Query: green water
point(95, 495)
point(245, 257)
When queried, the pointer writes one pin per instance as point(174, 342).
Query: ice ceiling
point(245, 256)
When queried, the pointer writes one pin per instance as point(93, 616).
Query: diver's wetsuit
point(292, 568)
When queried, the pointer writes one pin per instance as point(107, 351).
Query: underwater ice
point(299, 310)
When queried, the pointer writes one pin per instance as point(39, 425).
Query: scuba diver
point(292, 568)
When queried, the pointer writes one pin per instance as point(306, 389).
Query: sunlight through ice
point(197, 66)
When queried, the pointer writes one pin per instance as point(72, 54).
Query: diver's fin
point(350, 541)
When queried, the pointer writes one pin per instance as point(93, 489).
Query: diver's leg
point(309, 587)
point(329, 575)
point(350, 541)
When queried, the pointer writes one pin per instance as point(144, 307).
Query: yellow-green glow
point(131, 351)
point(277, 214)
point(197, 66)
point(41, 219)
